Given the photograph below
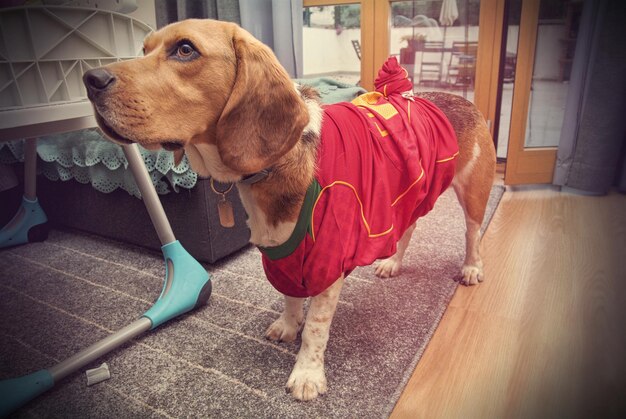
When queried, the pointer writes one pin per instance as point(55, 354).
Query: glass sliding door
point(436, 41)
point(547, 39)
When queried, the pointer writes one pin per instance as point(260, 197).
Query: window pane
point(332, 42)
point(554, 52)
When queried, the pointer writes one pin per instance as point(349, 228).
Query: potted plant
point(415, 41)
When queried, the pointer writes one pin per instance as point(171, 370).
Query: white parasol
point(449, 13)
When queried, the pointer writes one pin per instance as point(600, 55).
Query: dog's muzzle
point(97, 82)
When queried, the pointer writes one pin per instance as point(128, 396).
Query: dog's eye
point(185, 51)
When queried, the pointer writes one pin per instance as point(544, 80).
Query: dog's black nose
point(97, 80)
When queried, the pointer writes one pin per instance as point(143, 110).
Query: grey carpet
point(60, 296)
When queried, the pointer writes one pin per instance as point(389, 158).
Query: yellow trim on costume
point(366, 99)
point(356, 195)
point(448, 159)
point(367, 226)
point(410, 186)
point(421, 176)
point(369, 101)
point(383, 132)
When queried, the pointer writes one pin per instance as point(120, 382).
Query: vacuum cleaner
point(187, 284)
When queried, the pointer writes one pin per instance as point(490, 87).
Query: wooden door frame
point(491, 26)
point(526, 165)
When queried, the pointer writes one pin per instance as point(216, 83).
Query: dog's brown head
point(207, 87)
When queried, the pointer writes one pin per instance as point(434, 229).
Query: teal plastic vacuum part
point(23, 389)
point(28, 225)
point(187, 285)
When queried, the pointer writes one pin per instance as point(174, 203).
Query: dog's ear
point(264, 116)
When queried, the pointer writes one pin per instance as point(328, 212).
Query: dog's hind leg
point(287, 326)
point(391, 266)
point(472, 185)
point(308, 379)
point(475, 169)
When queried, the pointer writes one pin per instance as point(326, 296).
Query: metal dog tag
point(225, 213)
point(224, 208)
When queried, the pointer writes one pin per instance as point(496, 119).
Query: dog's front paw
point(283, 329)
point(472, 274)
point(387, 268)
point(307, 383)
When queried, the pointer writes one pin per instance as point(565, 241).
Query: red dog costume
point(383, 161)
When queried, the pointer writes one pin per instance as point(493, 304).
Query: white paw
point(472, 274)
point(387, 268)
point(307, 383)
point(283, 329)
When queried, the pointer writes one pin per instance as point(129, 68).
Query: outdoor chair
point(462, 65)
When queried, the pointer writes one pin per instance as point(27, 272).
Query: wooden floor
point(545, 335)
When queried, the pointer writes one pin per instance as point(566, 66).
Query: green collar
point(303, 225)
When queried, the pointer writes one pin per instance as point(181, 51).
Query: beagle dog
point(211, 90)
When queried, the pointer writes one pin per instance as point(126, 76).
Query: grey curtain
point(278, 24)
point(168, 11)
point(593, 140)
